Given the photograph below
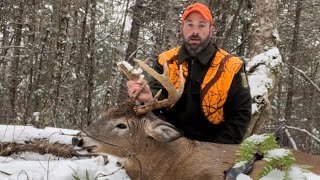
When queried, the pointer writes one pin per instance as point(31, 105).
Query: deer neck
point(157, 158)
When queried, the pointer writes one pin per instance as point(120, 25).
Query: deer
point(151, 148)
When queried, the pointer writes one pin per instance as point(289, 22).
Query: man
point(216, 102)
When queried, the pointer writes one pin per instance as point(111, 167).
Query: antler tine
point(173, 93)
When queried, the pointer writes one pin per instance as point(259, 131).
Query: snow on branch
point(260, 75)
point(263, 71)
point(39, 146)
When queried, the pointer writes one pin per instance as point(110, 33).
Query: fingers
point(145, 95)
point(139, 82)
point(133, 86)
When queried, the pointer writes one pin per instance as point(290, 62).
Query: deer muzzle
point(77, 141)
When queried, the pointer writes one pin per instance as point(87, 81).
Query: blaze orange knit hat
point(198, 7)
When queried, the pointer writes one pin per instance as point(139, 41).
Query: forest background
point(58, 58)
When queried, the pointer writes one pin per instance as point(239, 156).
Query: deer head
point(124, 129)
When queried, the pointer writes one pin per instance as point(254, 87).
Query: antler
point(173, 93)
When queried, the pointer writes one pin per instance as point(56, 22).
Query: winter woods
point(58, 58)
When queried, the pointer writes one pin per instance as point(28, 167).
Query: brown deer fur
point(153, 149)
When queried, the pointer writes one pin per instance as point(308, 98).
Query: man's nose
point(77, 141)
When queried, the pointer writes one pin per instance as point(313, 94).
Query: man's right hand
point(145, 96)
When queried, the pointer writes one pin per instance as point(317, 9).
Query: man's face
point(196, 32)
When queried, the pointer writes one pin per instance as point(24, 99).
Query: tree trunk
point(222, 9)
point(134, 32)
point(90, 63)
point(3, 63)
point(171, 25)
point(55, 97)
point(80, 61)
point(132, 43)
point(124, 20)
point(291, 61)
point(14, 71)
point(265, 18)
point(230, 29)
point(31, 61)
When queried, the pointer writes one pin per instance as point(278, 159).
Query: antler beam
point(173, 93)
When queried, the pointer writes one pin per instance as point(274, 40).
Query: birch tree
point(262, 39)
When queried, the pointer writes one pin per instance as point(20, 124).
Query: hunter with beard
point(216, 102)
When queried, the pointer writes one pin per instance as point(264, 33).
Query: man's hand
point(145, 96)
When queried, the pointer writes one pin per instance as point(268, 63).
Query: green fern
point(283, 161)
point(251, 145)
point(275, 157)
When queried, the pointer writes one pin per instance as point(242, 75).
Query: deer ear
point(162, 131)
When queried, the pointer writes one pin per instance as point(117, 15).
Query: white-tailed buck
point(154, 149)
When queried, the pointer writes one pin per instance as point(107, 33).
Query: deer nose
point(77, 141)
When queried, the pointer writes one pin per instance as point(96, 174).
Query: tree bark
point(262, 40)
point(171, 25)
point(230, 29)
point(61, 19)
point(134, 32)
point(90, 63)
point(292, 60)
point(132, 48)
point(222, 9)
point(265, 19)
point(16, 61)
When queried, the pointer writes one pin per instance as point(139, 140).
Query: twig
point(291, 140)
point(305, 131)
point(48, 168)
point(5, 173)
point(305, 77)
point(121, 167)
point(6, 47)
point(23, 171)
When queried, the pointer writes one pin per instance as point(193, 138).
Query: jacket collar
point(203, 57)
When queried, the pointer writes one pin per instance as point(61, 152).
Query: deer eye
point(121, 126)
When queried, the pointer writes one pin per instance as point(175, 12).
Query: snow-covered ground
point(26, 166)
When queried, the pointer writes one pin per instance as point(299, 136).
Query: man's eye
point(202, 26)
point(121, 126)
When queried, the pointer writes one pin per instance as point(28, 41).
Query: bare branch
point(305, 77)
point(291, 140)
point(38, 146)
point(304, 131)
point(7, 47)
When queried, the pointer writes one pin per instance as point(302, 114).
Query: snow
point(126, 64)
point(277, 153)
point(131, 69)
point(296, 173)
point(34, 166)
point(20, 134)
point(273, 175)
point(265, 65)
point(53, 168)
point(256, 139)
point(243, 177)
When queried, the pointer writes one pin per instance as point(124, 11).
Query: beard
point(194, 49)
